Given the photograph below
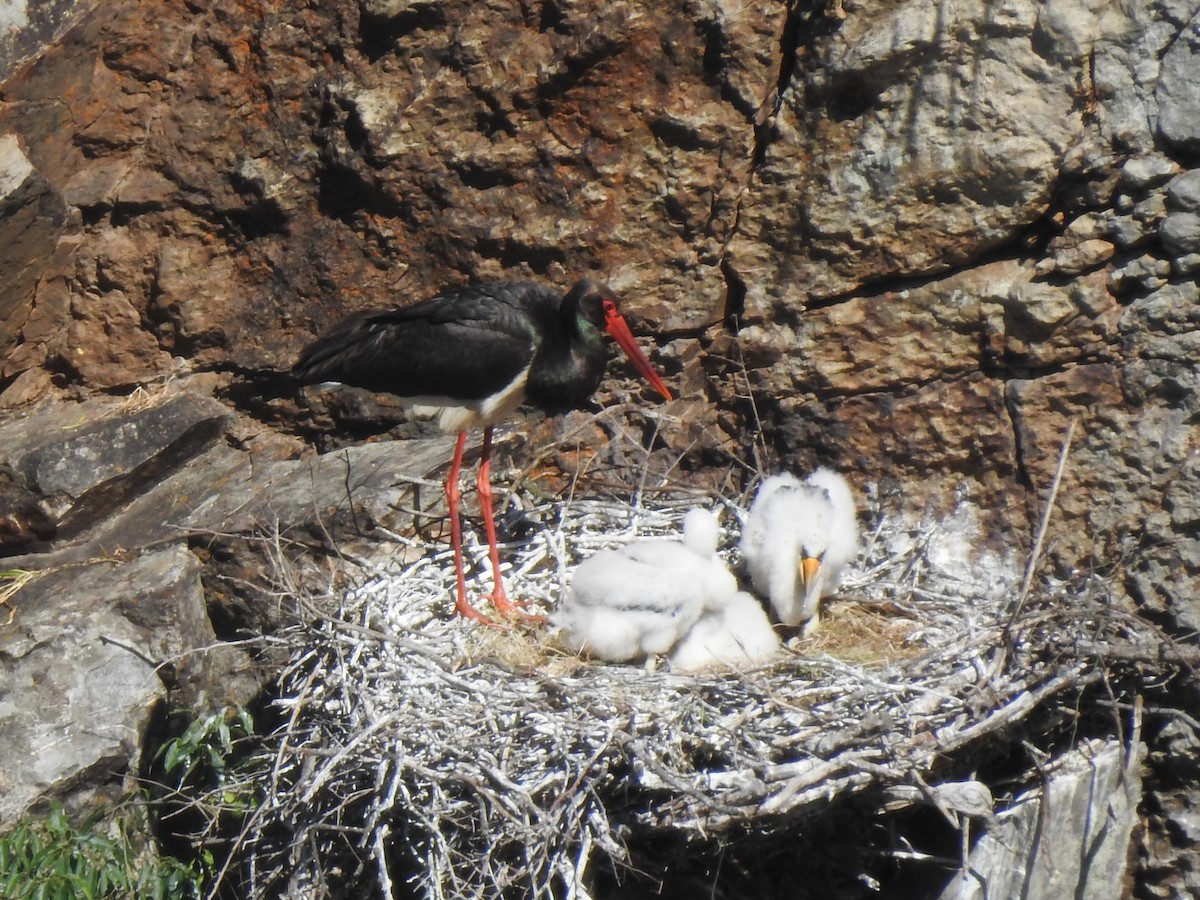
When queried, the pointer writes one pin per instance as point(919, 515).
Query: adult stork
point(471, 356)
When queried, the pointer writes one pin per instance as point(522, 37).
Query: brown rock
point(32, 217)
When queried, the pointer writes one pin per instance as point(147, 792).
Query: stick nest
point(426, 755)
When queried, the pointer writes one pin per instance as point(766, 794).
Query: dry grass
point(12, 581)
point(869, 634)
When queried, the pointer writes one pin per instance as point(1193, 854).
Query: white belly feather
point(455, 415)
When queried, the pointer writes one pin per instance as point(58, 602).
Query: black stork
point(471, 356)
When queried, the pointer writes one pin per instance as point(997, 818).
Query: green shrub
point(55, 859)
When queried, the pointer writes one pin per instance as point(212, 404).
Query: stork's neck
point(569, 360)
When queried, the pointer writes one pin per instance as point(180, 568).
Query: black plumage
point(488, 332)
point(472, 355)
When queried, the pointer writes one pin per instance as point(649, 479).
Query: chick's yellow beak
point(809, 567)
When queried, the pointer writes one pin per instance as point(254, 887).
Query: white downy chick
point(798, 539)
point(735, 634)
point(639, 600)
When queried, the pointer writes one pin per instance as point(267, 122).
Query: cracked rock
point(1126, 231)
point(1180, 233)
point(1183, 193)
point(1086, 812)
point(1178, 91)
point(82, 647)
point(1145, 273)
point(1078, 258)
point(1147, 170)
point(1187, 264)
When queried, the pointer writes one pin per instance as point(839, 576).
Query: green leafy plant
point(55, 859)
point(205, 784)
point(203, 762)
point(207, 744)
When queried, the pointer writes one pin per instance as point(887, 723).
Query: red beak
point(614, 323)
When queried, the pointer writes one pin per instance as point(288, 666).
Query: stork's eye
point(594, 309)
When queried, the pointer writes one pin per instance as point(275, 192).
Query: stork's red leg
point(453, 495)
point(499, 597)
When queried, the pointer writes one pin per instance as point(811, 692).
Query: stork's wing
point(449, 350)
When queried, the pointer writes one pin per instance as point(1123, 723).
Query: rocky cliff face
point(912, 240)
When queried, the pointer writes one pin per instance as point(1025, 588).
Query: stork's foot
point(467, 611)
point(513, 609)
point(510, 610)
